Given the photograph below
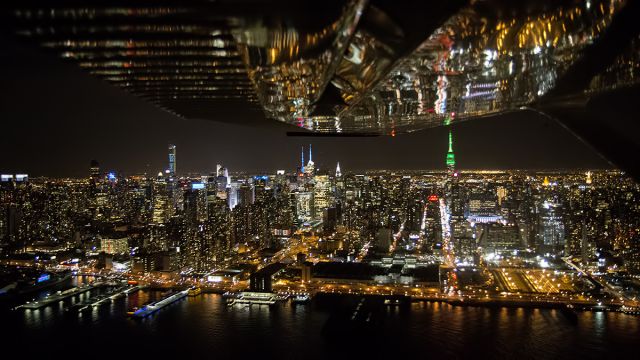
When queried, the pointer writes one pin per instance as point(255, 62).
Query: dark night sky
point(55, 119)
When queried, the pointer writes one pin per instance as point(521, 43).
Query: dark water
point(204, 327)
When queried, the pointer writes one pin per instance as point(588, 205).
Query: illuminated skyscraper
point(246, 194)
point(302, 159)
point(195, 204)
point(161, 211)
point(172, 160)
point(339, 184)
point(322, 197)
point(226, 174)
point(451, 158)
point(310, 168)
point(232, 194)
point(94, 171)
point(552, 226)
point(304, 206)
point(221, 183)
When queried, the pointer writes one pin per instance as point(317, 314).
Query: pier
point(98, 300)
point(59, 296)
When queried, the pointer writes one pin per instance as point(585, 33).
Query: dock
point(59, 296)
point(98, 300)
point(125, 291)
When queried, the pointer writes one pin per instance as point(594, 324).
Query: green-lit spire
point(451, 158)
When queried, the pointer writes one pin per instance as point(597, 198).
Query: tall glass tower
point(172, 160)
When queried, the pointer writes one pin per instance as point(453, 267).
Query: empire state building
point(451, 158)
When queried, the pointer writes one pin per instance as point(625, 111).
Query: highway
point(625, 300)
point(447, 246)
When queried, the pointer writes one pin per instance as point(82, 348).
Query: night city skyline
point(336, 179)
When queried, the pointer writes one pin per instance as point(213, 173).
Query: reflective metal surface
point(356, 66)
point(623, 72)
point(290, 68)
point(475, 65)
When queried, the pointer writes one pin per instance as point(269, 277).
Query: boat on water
point(301, 299)
point(392, 302)
point(132, 311)
point(253, 298)
point(570, 313)
point(149, 309)
point(630, 310)
point(194, 291)
point(77, 308)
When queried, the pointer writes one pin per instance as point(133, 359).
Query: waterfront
point(204, 326)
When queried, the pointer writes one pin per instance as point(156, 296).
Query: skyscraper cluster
point(191, 224)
